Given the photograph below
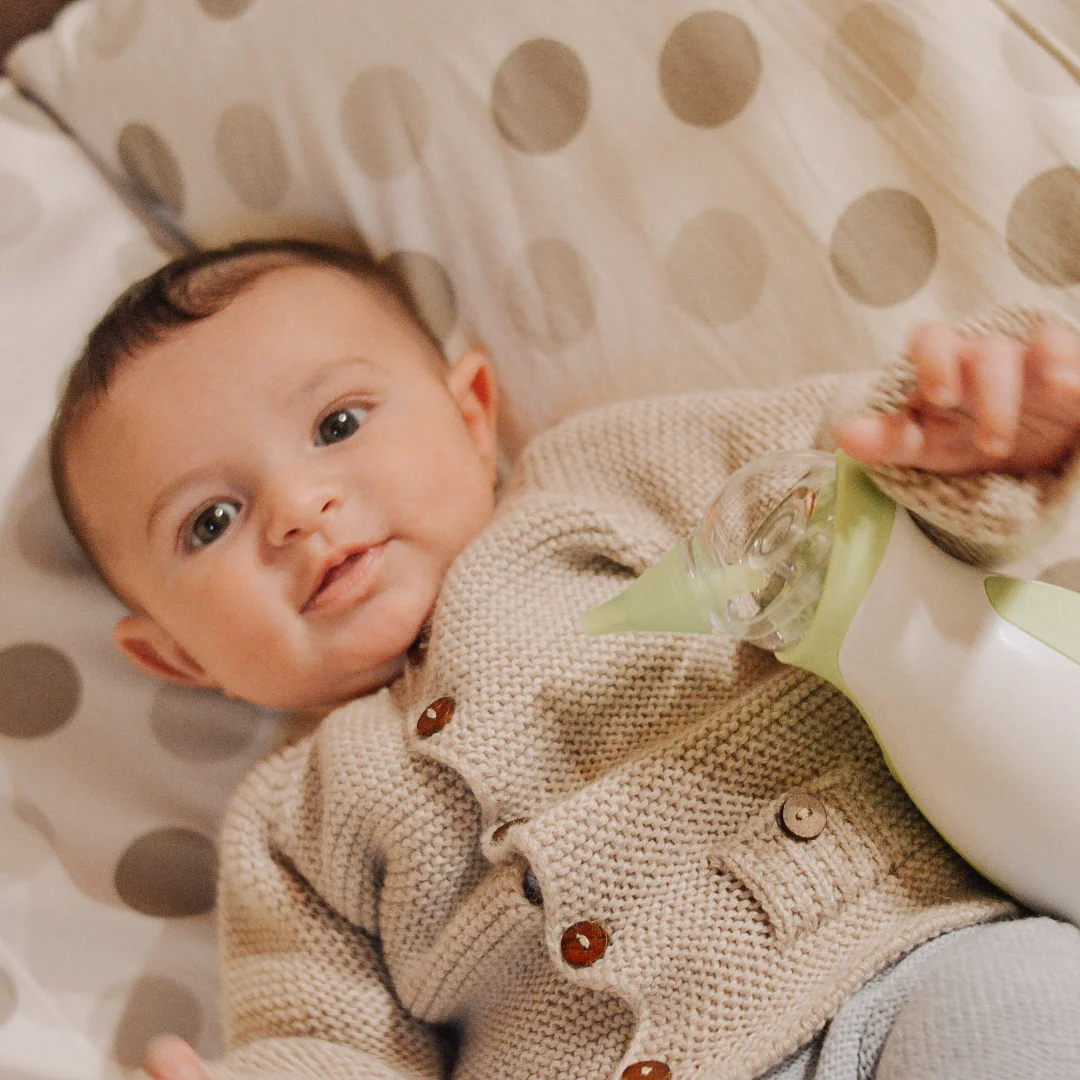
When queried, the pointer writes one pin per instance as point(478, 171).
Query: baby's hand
point(980, 404)
point(168, 1057)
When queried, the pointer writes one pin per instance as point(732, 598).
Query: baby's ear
point(153, 651)
point(472, 383)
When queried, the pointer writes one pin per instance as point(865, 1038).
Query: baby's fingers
point(882, 440)
point(993, 391)
point(1055, 360)
point(934, 352)
point(168, 1057)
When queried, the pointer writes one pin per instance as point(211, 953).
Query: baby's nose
point(297, 511)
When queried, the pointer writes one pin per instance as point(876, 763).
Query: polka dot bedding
point(669, 197)
point(110, 788)
point(682, 195)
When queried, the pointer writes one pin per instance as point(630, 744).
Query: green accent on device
point(863, 525)
point(1049, 613)
point(663, 599)
point(660, 599)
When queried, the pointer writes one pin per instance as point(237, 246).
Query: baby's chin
point(343, 681)
point(373, 681)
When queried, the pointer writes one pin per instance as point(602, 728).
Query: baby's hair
point(185, 290)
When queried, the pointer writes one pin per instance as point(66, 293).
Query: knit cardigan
point(544, 855)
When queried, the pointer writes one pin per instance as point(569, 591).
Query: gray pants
point(993, 1002)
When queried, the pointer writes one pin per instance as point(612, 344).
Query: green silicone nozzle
point(660, 599)
point(664, 599)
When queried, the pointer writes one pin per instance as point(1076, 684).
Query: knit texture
point(369, 895)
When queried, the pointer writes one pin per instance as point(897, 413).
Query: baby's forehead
point(306, 312)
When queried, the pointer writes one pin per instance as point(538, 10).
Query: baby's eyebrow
point(325, 372)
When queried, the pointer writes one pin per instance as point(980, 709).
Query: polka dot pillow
point(667, 197)
point(110, 787)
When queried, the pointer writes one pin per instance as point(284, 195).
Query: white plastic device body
point(978, 719)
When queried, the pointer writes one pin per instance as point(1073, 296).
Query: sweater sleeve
point(983, 517)
point(305, 990)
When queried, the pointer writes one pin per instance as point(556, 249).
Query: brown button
point(647, 1070)
point(435, 717)
point(803, 816)
point(499, 835)
point(584, 943)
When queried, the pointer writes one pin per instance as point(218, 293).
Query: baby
point(515, 851)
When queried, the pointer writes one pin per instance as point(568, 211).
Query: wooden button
point(499, 835)
point(647, 1070)
point(435, 717)
point(584, 943)
point(803, 816)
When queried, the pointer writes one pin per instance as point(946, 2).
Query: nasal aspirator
point(969, 680)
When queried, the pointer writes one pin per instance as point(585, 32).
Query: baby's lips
point(343, 563)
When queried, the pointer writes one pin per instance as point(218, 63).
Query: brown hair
point(185, 290)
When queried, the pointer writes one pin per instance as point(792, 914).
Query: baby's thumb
point(168, 1057)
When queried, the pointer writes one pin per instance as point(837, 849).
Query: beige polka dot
point(884, 247)
point(225, 9)
point(15, 107)
point(1043, 227)
point(550, 299)
point(1031, 66)
point(20, 208)
point(540, 96)
point(169, 873)
point(716, 267)
point(24, 849)
point(40, 690)
point(45, 542)
point(386, 121)
point(874, 59)
point(1066, 574)
point(251, 156)
point(154, 1005)
point(136, 259)
point(151, 166)
point(199, 725)
point(710, 67)
point(114, 26)
point(430, 287)
point(9, 998)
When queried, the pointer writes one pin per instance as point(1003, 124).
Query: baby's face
point(281, 487)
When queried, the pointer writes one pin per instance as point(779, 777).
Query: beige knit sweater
point(567, 848)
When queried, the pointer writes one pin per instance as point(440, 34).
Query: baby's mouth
point(336, 571)
point(346, 580)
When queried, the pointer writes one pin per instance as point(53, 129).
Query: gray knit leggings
point(993, 1002)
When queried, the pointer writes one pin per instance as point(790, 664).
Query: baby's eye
point(340, 424)
point(211, 523)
